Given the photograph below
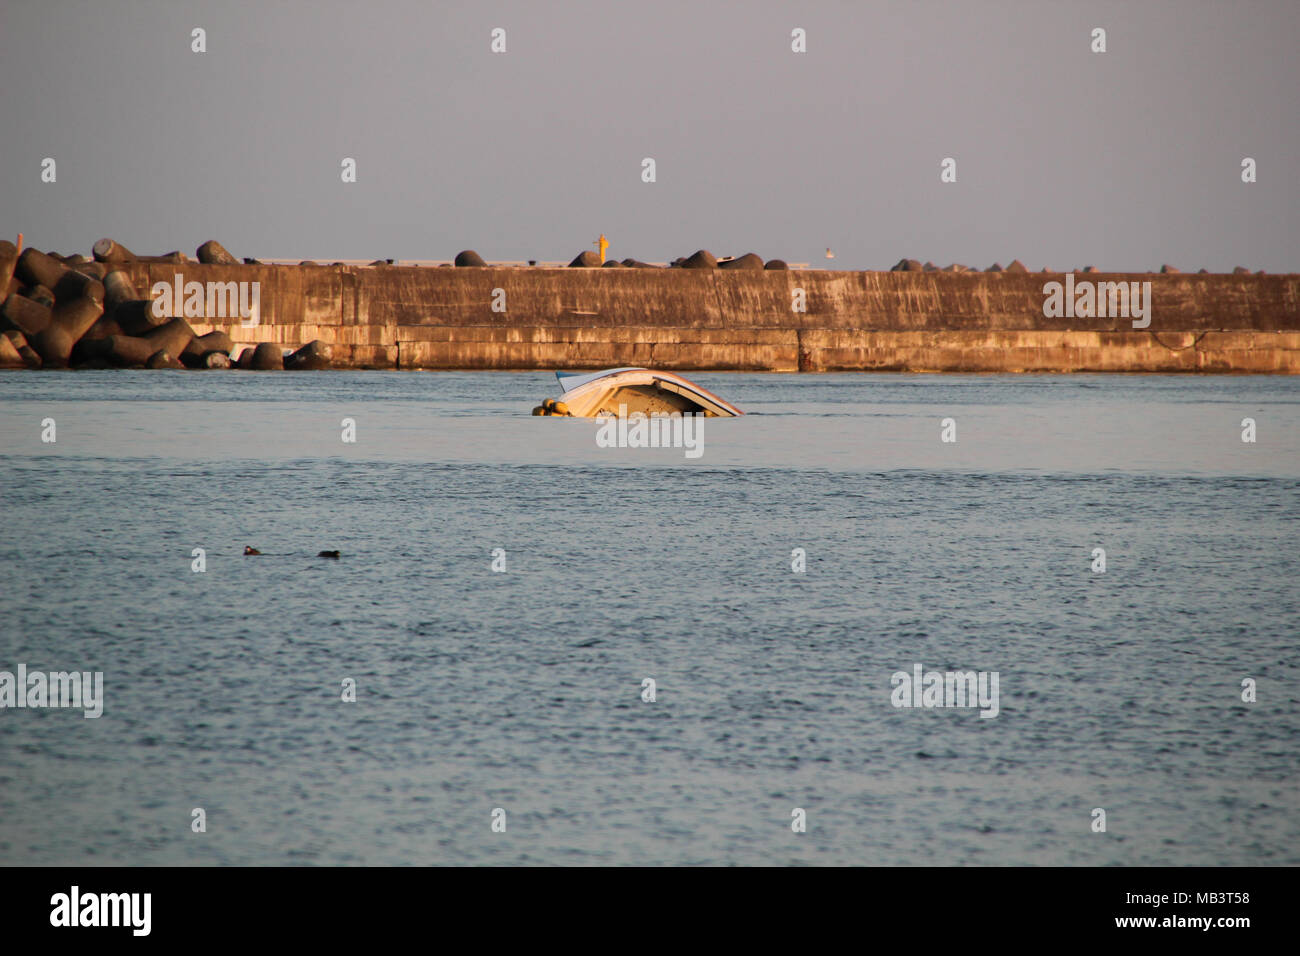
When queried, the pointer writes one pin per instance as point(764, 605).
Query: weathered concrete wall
point(406, 317)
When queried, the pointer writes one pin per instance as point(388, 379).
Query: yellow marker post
point(602, 244)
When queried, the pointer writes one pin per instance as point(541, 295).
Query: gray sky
point(1123, 160)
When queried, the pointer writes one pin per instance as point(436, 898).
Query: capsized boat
point(620, 392)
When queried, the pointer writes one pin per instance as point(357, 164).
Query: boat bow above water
point(620, 392)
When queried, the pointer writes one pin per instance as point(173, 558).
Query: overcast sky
point(1124, 160)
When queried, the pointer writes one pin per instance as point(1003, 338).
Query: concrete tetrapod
point(266, 357)
point(214, 253)
point(69, 321)
point(314, 355)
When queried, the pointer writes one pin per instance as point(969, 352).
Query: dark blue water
point(522, 690)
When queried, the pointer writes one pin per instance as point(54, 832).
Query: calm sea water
point(522, 690)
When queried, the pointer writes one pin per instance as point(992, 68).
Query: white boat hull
point(622, 392)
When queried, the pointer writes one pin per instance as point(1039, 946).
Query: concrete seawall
point(442, 318)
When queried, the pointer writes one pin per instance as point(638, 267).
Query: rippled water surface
point(522, 690)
